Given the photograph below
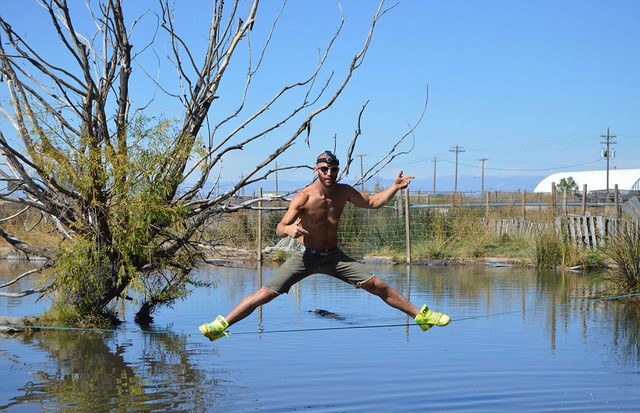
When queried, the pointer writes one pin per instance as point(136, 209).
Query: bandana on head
point(329, 158)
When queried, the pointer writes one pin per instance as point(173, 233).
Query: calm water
point(520, 341)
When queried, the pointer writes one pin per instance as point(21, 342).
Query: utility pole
point(608, 140)
point(435, 159)
point(483, 160)
point(457, 149)
point(361, 172)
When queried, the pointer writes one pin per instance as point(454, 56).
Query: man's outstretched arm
point(382, 198)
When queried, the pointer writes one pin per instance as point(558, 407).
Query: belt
point(317, 252)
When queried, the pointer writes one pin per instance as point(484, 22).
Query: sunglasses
point(326, 169)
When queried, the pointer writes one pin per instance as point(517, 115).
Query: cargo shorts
point(308, 261)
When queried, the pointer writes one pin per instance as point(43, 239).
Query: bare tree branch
point(21, 276)
point(31, 250)
point(27, 292)
point(391, 155)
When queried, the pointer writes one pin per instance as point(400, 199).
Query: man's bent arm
point(382, 198)
point(290, 222)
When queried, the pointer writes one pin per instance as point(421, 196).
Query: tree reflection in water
point(91, 373)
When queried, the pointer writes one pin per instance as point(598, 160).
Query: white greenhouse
point(628, 180)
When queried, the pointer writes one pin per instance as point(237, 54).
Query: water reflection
point(554, 298)
point(504, 321)
point(626, 333)
point(106, 372)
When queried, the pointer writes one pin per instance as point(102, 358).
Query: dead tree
point(128, 192)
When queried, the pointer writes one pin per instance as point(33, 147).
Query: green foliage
point(61, 314)
point(81, 274)
point(122, 248)
point(624, 250)
point(567, 183)
point(590, 260)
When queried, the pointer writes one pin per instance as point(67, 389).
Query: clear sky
point(529, 85)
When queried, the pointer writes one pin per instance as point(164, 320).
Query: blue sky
point(530, 86)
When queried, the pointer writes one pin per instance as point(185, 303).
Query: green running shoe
point(427, 318)
point(215, 329)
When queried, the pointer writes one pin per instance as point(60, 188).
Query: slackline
point(301, 330)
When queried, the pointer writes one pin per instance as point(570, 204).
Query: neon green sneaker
point(215, 329)
point(427, 318)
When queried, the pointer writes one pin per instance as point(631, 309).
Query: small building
point(628, 180)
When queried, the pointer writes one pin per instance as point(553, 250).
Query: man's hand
point(401, 182)
point(295, 230)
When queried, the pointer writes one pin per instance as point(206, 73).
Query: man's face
point(327, 174)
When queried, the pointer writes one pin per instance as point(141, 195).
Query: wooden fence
point(583, 231)
point(516, 226)
point(591, 231)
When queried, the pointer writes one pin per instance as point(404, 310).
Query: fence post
point(259, 225)
point(524, 204)
point(564, 201)
point(407, 225)
point(584, 200)
point(616, 197)
point(553, 198)
point(488, 208)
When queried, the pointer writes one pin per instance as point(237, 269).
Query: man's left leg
point(424, 317)
point(390, 295)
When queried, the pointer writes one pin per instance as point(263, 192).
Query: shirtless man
point(313, 217)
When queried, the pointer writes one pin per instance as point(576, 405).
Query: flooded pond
point(519, 341)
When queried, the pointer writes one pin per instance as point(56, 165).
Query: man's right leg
point(289, 273)
point(249, 304)
point(216, 329)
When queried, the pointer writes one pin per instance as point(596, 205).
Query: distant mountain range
point(443, 184)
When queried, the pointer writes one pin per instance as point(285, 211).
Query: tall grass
point(624, 250)
point(548, 250)
point(553, 250)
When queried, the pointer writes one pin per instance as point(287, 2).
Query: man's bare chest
point(323, 209)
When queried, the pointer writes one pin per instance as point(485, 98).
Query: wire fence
point(427, 217)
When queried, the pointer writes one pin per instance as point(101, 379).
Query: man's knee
point(376, 286)
point(264, 295)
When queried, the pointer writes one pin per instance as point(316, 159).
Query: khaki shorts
point(305, 263)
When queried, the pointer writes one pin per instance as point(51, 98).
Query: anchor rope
point(300, 330)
